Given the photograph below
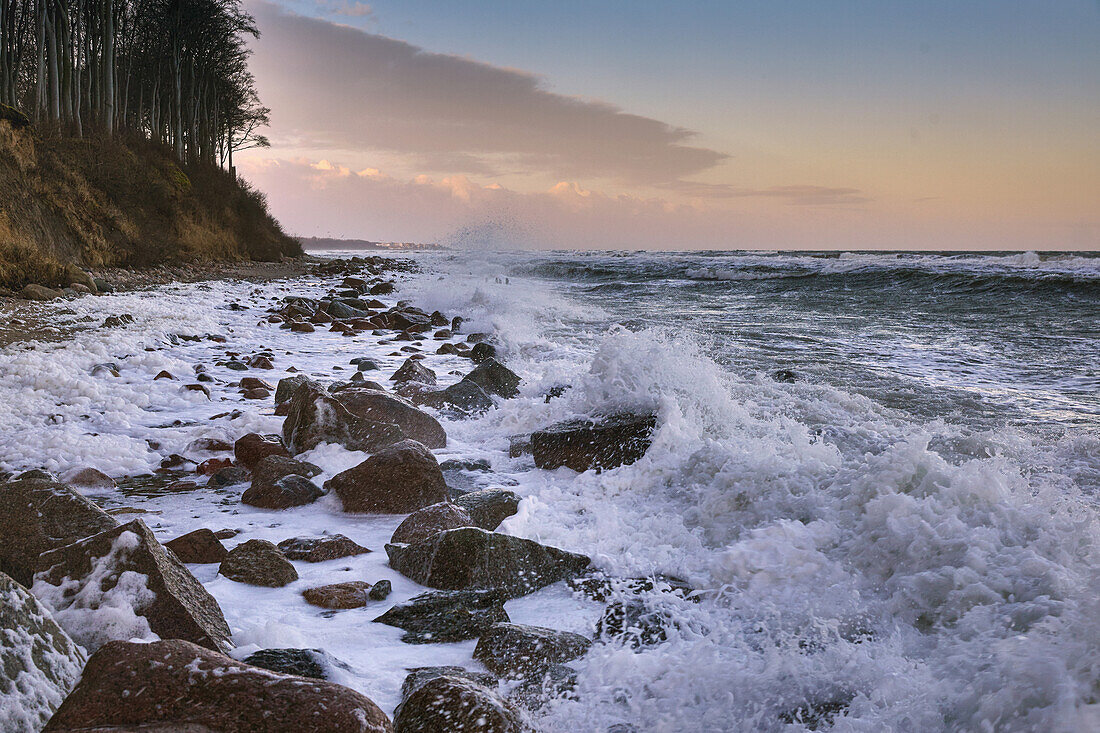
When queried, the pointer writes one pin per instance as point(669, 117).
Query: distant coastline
point(322, 243)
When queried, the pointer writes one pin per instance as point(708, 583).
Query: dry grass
point(103, 202)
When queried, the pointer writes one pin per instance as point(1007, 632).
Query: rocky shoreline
point(80, 580)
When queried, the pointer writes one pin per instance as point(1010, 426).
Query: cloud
point(347, 8)
point(803, 195)
point(335, 87)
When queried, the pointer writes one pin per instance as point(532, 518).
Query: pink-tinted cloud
point(334, 87)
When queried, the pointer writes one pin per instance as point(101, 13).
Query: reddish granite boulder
point(380, 406)
point(351, 594)
point(398, 479)
point(314, 416)
point(200, 546)
point(319, 549)
point(178, 686)
point(252, 448)
point(450, 703)
point(172, 601)
point(258, 562)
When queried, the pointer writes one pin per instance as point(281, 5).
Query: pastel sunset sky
point(755, 124)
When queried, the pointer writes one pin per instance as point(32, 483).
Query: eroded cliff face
point(68, 203)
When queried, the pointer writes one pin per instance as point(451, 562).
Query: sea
point(879, 470)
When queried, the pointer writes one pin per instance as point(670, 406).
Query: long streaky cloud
point(336, 87)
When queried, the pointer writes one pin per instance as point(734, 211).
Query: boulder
point(413, 371)
point(301, 662)
point(248, 383)
point(122, 583)
point(377, 405)
point(471, 558)
point(482, 352)
point(315, 416)
point(423, 523)
point(41, 514)
point(287, 385)
point(39, 663)
point(336, 596)
point(250, 449)
point(200, 546)
point(445, 703)
point(40, 292)
point(417, 676)
point(178, 686)
point(611, 441)
point(283, 493)
point(396, 480)
point(446, 616)
point(380, 591)
point(88, 478)
point(489, 507)
point(279, 482)
point(211, 466)
point(258, 562)
point(229, 476)
point(462, 396)
point(634, 622)
point(536, 688)
point(517, 650)
point(494, 378)
point(319, 549)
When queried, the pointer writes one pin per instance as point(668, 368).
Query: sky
point(747, 124)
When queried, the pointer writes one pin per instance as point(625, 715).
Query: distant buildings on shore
point(331, 243)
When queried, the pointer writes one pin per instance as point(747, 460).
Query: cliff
point(69, 203)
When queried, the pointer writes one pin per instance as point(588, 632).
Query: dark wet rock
point(462, 396)
point(396, 480)
point(211, 466)
point(250, 449)
point(547, 683)
point(364, 364)
point(408, 319)
point(413, 371)
point(259, 362)
point(300, 662)
point(41, 514)
point(377, 405)
point(423, 523)
point(249, 383)
point(320, 549)
point(446, 349)
point(459, 464)
point(487, 508)
point(382, 289)
point(39, 292)
point(446, 616)
point(519, 445)
point(456, 323)
point(611, 441)
point(341, 309)
point(229, 476)
point(36, 474)
point(477, 338)
point(635, 623)
point(339, 596)
point(438, 319)
point(279, 482)
point(302, 327)
point(122, 319)
point(109, 369)
point(287, 385)
point(784, 375)
point(200, 546)
point(258, 562)
point(417, 676)
point(494, 378)
point(601, 587)
point(471, 558)
point(315, 416)
point(445, 704)
point(177, 686)
point(556, 391)
point(177, 606)
point(39, 663)
point(443, 333)
point(164, 374)
point(196, 388)
point(89, 478)
point(483, 352)
point(517, 650)
point(817, 715)
point(380, 591)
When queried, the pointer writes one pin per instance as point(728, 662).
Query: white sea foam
point(897, 574)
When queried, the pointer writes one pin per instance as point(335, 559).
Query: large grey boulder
point(123, 582)
point(39, 663)
point(380, 406)
point(451, 703)
point(314, 416)
point(518, 650)
point(489, 507)
point(41, 514)
point(471, 558)
point(494, 378)
point(446, 616)
point(608, 442)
